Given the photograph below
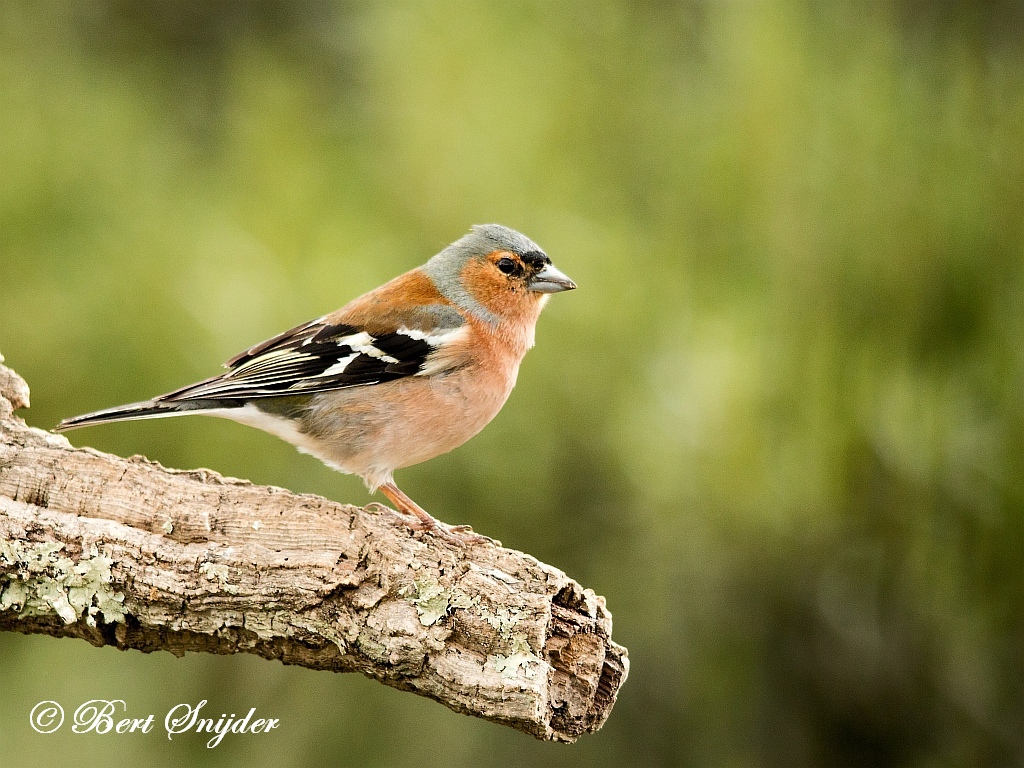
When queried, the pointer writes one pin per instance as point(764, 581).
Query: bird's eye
point(507, 266)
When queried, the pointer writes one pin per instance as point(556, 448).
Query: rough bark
point(124, 552)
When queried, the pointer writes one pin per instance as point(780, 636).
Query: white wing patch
point(435, 338)
point(437, 361)
point(363, 343)
point(341, 365)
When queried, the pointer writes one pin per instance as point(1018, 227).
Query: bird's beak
point(550, 280)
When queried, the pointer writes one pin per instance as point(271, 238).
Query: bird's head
point(497, 273)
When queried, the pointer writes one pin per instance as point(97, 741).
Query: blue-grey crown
point(495, 237)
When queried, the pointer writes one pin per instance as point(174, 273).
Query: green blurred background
point(779, 425)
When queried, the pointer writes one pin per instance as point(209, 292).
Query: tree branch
point(124, 552)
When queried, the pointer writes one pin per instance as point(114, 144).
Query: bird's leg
point(458, 534)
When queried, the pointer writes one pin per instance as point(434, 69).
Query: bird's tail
point(148, 409)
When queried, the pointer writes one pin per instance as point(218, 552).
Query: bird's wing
point(329, 354)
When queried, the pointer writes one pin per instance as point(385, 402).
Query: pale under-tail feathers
point(148, 409)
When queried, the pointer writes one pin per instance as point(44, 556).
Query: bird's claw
point(465, 535)
point(421, 520)
point(461, 535)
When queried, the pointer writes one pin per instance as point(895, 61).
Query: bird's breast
point(371, 431)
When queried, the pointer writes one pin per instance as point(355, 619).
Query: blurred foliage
point(779, 425)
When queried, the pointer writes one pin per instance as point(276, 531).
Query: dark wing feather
point(319, 356)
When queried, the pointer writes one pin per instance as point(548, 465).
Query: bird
point(398, 376)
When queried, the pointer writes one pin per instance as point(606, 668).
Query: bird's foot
point(463, 535)
point(413, 516)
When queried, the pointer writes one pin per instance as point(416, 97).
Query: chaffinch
point(400, 375)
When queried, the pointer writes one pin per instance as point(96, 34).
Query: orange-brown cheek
point(493, 290)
